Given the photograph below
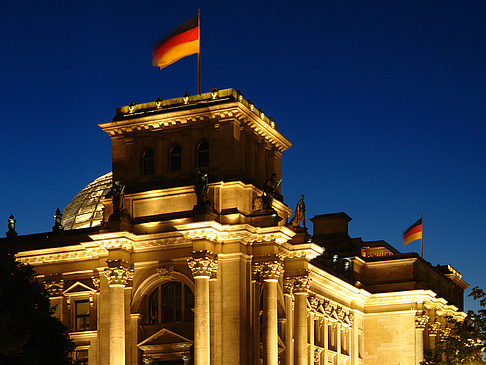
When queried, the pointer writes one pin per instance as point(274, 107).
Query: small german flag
point(181, 42)
point(413, 233)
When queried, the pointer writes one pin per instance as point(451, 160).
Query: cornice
point(242, 111)
point(216, 232)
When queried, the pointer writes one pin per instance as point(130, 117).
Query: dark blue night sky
point(383, 100)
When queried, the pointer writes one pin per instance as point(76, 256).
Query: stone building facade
point(189, 257)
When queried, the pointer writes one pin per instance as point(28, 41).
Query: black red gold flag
point(181, 42)
point(413, 233)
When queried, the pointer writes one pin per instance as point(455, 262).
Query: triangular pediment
point(164, 337)
point(78, 287)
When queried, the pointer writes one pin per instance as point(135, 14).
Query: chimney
point(333, 224)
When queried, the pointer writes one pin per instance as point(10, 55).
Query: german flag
point(413, 233)
point(182, 42)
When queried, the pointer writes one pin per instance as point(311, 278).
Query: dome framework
point(85, 209)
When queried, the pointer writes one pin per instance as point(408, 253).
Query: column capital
point(288, 284)
point(271, 270)
point(118, 273)
point(433, 328)
point(302, 283)
point(54, 287)
point(421, 321)
point(203, 264)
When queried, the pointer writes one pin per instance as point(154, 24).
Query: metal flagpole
point(199, 53)
point(422, 239)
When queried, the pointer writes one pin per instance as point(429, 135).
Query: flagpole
point(199, 53)
point(422, 239)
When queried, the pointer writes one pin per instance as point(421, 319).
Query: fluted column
point(118, 274)
point(420, 323)
point(202, 265)
point(301, 289)
point(270, 272)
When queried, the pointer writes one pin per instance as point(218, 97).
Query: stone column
point(202, 266)
point(338, 343)
point(311, 338)
point(301, 289)
point(420, 323)
point(270, 271)
point(289, 333)
point(118, 274)
point(326, 340)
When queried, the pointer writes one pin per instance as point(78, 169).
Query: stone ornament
point(118, 273)
point(54, 287)
point(288, 284)
point(204, 266)
point(433, 328)
point(271, 270)
point(165, 272)
point(421, 321)
point(302, 283)
point(96, 282)
point(11, 226)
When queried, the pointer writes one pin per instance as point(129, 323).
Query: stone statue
point(269, 190)
point(299, 214)
point(11, 226)
point(57, 227)
point(201, 187)
point(118, 198)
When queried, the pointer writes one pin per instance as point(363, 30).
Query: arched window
point(171, 302)
point(202, 155)
point(148, 162)
point(175, 158)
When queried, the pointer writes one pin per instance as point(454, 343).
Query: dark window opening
point(81, 315)
point(203, 155)
point(148, 162)
point(175, 158)
point(154, 307)
point(171, 302)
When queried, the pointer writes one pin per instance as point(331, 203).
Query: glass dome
point(85, 209)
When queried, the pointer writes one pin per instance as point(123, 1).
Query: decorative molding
point(118, 273)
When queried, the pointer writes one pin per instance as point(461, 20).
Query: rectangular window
point(82, 357)
point(81, 315)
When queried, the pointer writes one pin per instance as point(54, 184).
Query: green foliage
point(466, 342)
point(29, 333)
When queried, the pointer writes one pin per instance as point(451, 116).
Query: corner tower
point(163, 144)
